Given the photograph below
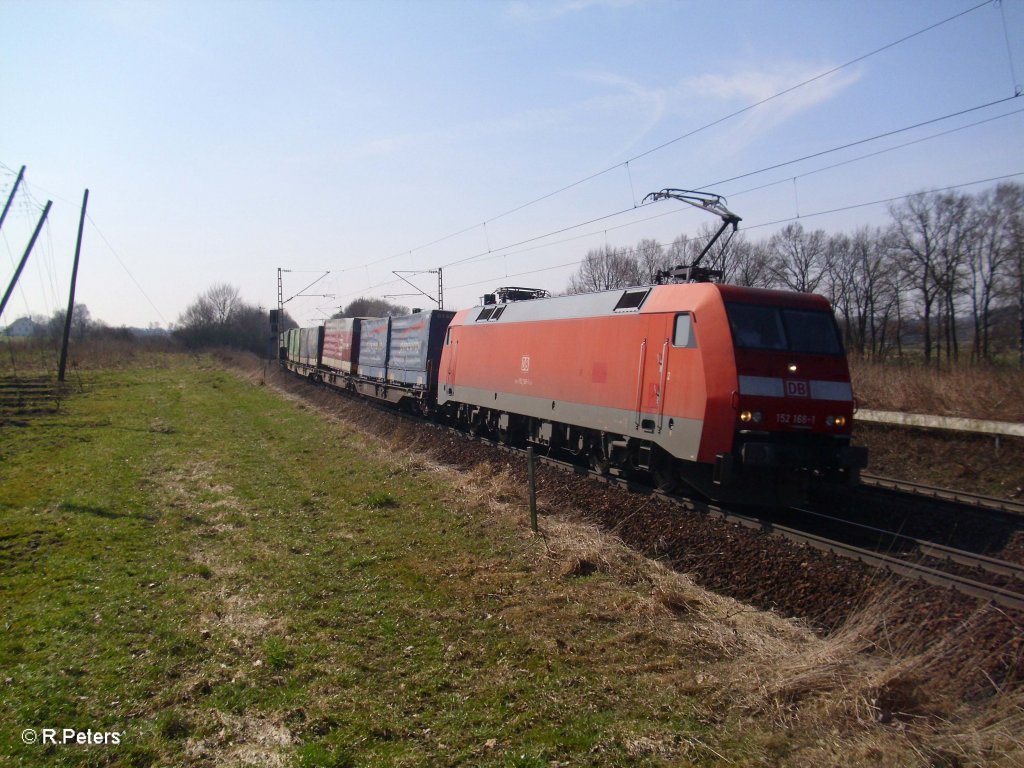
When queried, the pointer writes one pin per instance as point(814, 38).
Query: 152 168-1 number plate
point(795, 419)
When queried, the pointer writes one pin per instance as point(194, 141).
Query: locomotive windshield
point(755, 326)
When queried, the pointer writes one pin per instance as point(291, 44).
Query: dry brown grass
point(972, 392)
point(41, 356)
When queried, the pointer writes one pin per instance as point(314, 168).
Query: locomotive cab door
point(451, 351)
point(652, 376)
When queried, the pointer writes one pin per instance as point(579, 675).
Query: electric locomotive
point(743, 394)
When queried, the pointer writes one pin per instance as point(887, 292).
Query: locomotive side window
point(756, 326)
point(682, 335)
point(631, 300)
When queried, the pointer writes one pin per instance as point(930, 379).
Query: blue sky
point(222, 140)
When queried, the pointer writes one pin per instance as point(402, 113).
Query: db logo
point(525, 366)
point(796, 388)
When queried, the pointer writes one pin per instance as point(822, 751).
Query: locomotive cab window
point(813, 332)
point(682, 333)
point(755, 326)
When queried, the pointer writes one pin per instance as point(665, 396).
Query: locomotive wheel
point(665, 479)
point(599, 463)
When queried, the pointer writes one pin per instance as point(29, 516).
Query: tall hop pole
point(10, 197)
point(21, 264)
point(71, 295)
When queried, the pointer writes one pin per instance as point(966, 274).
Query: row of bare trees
point(945, 278)
point(221, 317)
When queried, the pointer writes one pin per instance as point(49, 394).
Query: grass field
point(219, 575)
point(977, 392)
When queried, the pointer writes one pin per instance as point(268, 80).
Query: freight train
point(741, 394)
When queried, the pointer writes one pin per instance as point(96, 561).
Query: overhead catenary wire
point(860, 141)
point(1009, 51)
point(846, 145)
point(125, 268)
point(775, 222)
point(504, 251)
point(644, 220)
point(507, 250)
point(820, 76)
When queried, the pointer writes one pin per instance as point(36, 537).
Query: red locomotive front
point(794, 402)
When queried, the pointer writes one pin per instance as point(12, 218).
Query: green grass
point(215, 572)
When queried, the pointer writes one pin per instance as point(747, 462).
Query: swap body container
point(292, 343)
point(415, 348)
point(311, 341)
point(372, 356)
point(341, 343)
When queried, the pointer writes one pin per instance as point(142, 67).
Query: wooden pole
point(21, 264)
point(10, 197)
point(71, 295)
point(532, 483)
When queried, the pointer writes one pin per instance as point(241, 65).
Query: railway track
point(905, 490)
point(909, 556)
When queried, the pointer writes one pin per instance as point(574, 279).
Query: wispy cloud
point(752, 86)
point(637, 110)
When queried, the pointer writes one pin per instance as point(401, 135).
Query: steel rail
point(962, 584)
point(930, 548)
point(982, 502)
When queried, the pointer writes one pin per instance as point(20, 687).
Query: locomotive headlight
point(746, 416)
point(840, 421)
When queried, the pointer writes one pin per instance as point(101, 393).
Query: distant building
point(23, 326)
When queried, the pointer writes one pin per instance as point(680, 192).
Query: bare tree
point(651, 258)
point(840, 285)
point(603, 269)
point(81, 323)
point(1013, 198)
point(748, 264)
point(916, 240)
point(990, 259)
point(678, 253)
point(799, 258)
point(956, 234)
point(219, 316)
